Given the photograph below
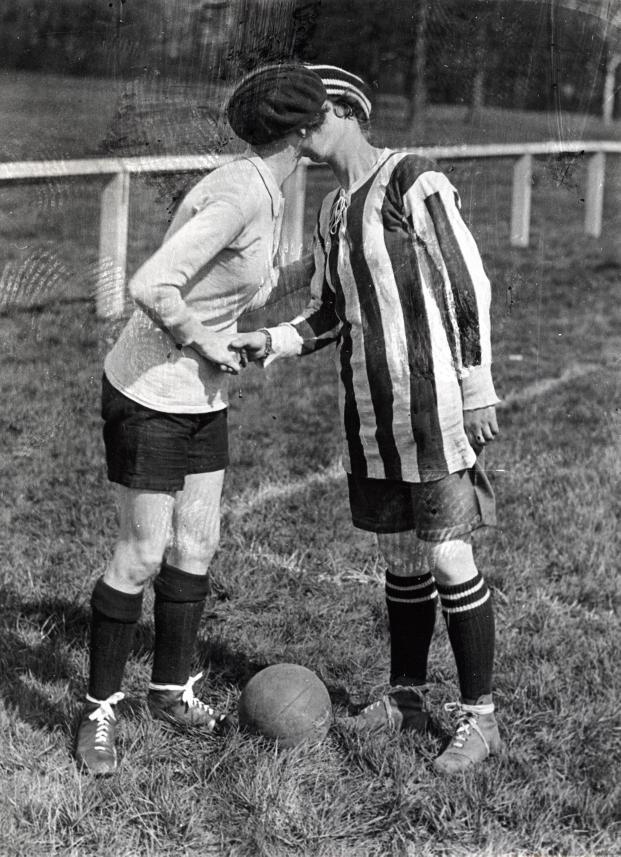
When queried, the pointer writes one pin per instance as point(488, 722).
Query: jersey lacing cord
point(339, 212)
point(103, 715)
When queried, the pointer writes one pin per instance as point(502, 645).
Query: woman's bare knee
point(452, 562)
point(196, 523)
point(405, 554)
point(192, 554)
point(145, 518)
point(133, 564)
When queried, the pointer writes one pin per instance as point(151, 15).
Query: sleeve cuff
point(478, 388)
point(286, 342)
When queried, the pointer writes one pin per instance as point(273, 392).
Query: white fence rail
point(110, 292)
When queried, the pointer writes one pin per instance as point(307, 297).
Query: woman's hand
point(217, 348)
point(251, 346)
point(480, 426)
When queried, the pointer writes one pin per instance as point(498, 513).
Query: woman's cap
point(342, 84)
point(274, 100)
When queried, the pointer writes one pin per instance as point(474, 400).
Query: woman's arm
point(158, 286)
point(317, 326)
point(286, 280)
point(433, 206)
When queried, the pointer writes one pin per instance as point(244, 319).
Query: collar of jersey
point(269, 181)
point(383, 156)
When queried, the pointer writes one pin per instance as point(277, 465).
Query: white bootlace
point(104, 715)
point(187, 695)
point(467, 717)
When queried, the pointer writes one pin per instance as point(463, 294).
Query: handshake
point(230, 353)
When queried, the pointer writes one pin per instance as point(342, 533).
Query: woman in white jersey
point(165, 405)
point(400, 288)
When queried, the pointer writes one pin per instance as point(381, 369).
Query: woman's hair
point(344, 85)
point(353, 108)
point(349, 91)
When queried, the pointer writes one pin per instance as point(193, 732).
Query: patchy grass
point(293, 581)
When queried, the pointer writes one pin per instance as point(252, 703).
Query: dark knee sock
point(469, 617)
point(115, 615)
point(179, 602)
point(411, 603)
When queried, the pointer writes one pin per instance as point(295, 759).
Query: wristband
point(268, 342)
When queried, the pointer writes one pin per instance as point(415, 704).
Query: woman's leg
point(181, 586)
point(144, 526)
point(145, 518)
point(411, 603)
point(468, 613)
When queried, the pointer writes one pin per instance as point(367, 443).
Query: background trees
point(505, 53)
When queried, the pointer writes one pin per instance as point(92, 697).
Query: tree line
point(524, 54)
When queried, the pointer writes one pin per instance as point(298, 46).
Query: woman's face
point(323, 141)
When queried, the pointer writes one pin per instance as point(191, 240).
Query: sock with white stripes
point(177, 610)
point(469, 617)
point(411, 603)
point(115, 615)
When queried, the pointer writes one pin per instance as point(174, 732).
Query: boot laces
point(385, 699)
point(192, 701)
point(466, 724)
point(104, 715)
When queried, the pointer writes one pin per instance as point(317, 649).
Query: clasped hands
point(231, 352)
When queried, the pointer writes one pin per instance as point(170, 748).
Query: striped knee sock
point(411, 603)
point(469, 617)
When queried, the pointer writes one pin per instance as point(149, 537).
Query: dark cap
point(272, 101)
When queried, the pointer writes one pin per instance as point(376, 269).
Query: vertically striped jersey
point(399, 286)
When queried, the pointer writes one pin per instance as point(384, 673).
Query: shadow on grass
point(34, 638)
point(39, 640)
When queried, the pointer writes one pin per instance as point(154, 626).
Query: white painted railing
point(110, 292)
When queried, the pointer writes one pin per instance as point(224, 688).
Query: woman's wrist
point(269, 348)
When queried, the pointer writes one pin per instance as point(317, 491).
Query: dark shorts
point(155, 451)
point(437, 511)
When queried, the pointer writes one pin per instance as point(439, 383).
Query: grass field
point(292, 580)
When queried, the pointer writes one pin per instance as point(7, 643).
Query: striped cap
point(342, 84)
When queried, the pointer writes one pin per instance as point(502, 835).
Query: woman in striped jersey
point(399, 286)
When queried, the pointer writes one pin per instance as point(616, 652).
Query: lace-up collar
point(338, 212)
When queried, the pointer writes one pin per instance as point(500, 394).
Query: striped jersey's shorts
point(436, 511)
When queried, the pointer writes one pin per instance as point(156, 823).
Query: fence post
point(110, 288)
point(520, 202)
point(294, 191)
point(594, 199)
